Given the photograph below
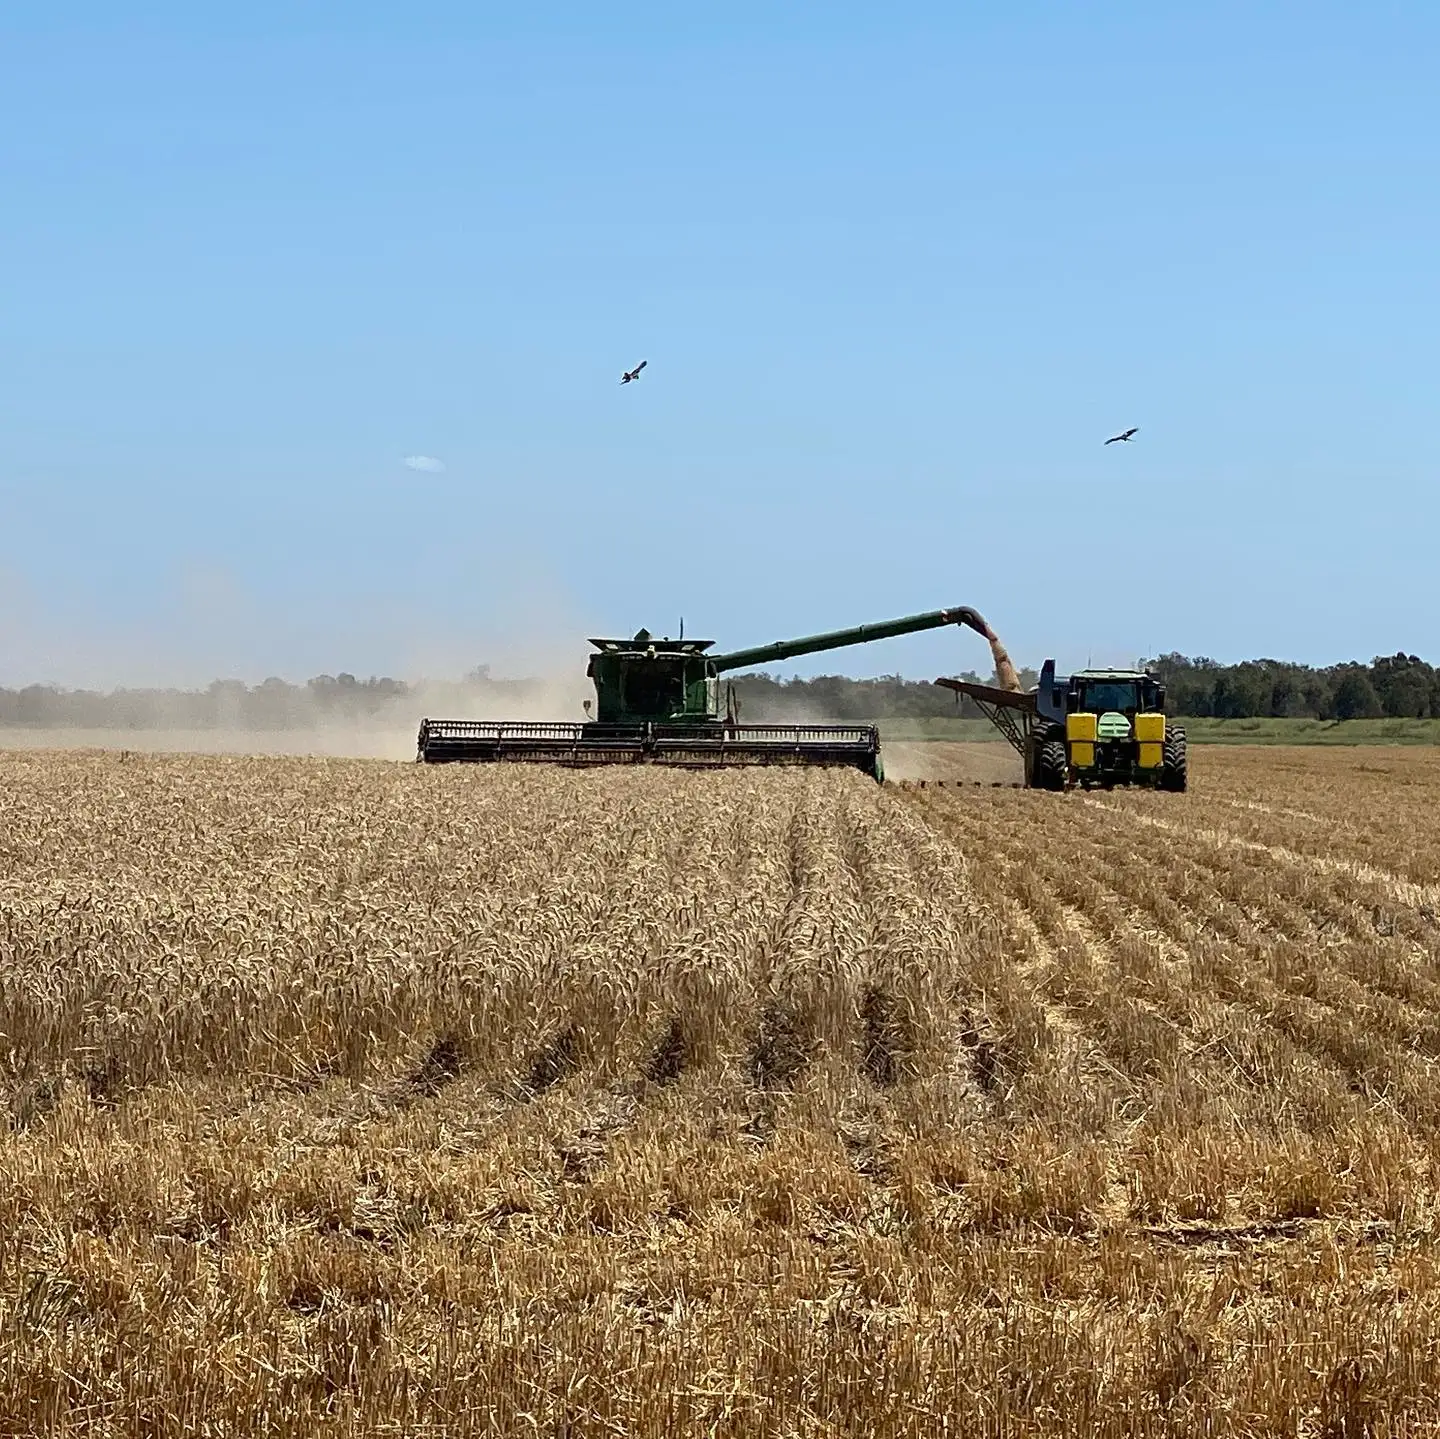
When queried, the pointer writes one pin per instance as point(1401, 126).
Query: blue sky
point(897, 273)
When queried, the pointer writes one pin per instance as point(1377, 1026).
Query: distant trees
point(1404, 685)
point(274, 704)
point(763, 697)
point(1400, 685)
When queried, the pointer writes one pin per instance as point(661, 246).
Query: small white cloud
point(427, 463)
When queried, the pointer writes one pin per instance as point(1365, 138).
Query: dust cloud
point(978, 762)
point(388, 731)
point(85, 670)
point(73, 678)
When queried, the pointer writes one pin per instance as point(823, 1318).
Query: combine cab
point(1096, 729)
point(659, 702)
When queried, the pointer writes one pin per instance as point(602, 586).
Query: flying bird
point(629, 375)
point(1125, 436)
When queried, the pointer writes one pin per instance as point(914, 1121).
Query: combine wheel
point(1172, 773)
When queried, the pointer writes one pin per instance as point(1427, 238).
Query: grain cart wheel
point(1052, 764)
point(1172, 772)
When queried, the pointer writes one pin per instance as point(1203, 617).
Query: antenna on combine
point(682, 627)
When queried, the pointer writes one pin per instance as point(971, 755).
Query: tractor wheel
point(1172, 772)
point(1052, 765)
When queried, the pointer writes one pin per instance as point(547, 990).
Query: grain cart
point(1095, 729)
point(659, 701)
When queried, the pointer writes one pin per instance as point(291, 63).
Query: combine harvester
point(1095, 729)
point(658, 702)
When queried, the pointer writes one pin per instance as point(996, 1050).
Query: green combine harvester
point(659, 702)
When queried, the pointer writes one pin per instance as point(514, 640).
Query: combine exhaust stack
point(658, 702)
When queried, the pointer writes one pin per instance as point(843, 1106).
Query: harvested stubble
point(361, 1098)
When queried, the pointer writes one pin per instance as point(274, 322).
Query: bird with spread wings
point(1123, 436)
point(629, 375)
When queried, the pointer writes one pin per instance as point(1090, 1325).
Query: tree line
point(1400, 685)
point(274, 705)
point(765, 697)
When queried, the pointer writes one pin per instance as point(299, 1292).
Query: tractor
point(1095, 729)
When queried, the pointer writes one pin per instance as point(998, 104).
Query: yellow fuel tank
point(1080, 732)
point(1150, 728)
point(1150, 731)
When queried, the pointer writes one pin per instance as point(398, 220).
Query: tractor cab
point(1098, 692)
point(1124, 692)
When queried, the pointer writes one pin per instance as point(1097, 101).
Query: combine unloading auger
point(659, 702)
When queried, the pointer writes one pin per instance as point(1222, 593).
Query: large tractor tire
point(1052, 764)
point(1172, 771)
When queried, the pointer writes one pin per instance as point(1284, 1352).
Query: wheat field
point(349, 1097)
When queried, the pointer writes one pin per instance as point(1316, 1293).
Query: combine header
point(1097, 728)
point(659, 702)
